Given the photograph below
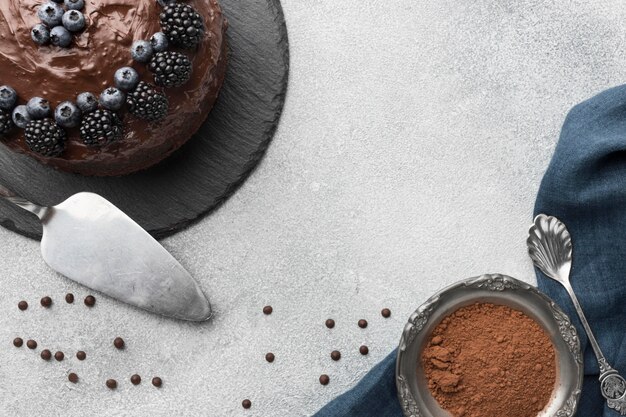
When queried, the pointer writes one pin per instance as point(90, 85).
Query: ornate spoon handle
point(550, 248)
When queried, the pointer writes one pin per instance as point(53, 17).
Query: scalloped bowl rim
point(414, 396)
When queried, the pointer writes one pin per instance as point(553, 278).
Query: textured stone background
point(412, 144)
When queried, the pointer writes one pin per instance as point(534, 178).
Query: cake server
point(550, 248)
point(89, 240)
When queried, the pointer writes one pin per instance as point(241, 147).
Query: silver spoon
point(550, 248)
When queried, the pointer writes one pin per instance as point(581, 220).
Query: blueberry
point(60, 36)
point(141, 51)
point(73, 4)
point(112, 99)
point(38, 107)
point(8, 97)
point(87, 102)
point(40, 34)
point(126, 78)
point(67, 114)
point(159, 42)
point(74, 20)
point(21, 116)
point(51, 14)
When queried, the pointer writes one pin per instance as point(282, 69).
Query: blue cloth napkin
point(585, 187)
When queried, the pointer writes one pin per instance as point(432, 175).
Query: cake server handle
point(550, 247)
point(21, 202)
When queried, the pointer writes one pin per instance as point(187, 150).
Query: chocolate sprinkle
point(118, 343)
point(324, 379)
point(270, 357)
point(111, 384)
point(81, 356)
point(135, 379)
point(90, 301)
point(22, 305)
point(73, 378)
point(246, 404)
point(46, 302)
point(69, 298)
point(18, 342)
point(335, 355)
point(386, 313)
point(364, 350)
point(46, 355)
point(267, 310)
point(59, 356)
point(31, 344)
point(362, 324)
point(330, 323)
point(157, 382)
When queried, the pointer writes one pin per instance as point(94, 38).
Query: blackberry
point(100, 128)
point(6, 122)
point(170, 69)
point(182, 24)
point(147, 102)
point(45, 137)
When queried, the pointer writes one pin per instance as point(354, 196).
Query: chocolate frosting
point(59, 74)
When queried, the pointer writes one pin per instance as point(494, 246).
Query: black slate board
point(211, 166)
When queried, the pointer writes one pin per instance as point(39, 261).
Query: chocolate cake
point(154, 69)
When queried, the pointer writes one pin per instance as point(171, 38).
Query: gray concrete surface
point(409, 154)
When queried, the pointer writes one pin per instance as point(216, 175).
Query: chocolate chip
point(246, 404)
point(118, 343)
point(22, 305)
point(81, 356)
point(59, 356)
point(386, 313)
point(157, 382)
point(267, 310)
point(46, 302)
point(364, 350)
point(270, 357)
point(46, 355)
point(330, 323)
point(69, 298)
point(111, 384)
point(362, 324)
point(18, 342)
point(31, 344)
point(335, 355)
point(90, 301)
point(135, 379)
point(73, 378)
point(324, 379)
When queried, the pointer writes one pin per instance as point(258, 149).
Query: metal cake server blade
point(89, 240)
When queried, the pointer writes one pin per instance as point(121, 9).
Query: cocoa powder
point(487, 360)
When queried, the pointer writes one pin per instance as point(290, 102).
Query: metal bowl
point(413, 392)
